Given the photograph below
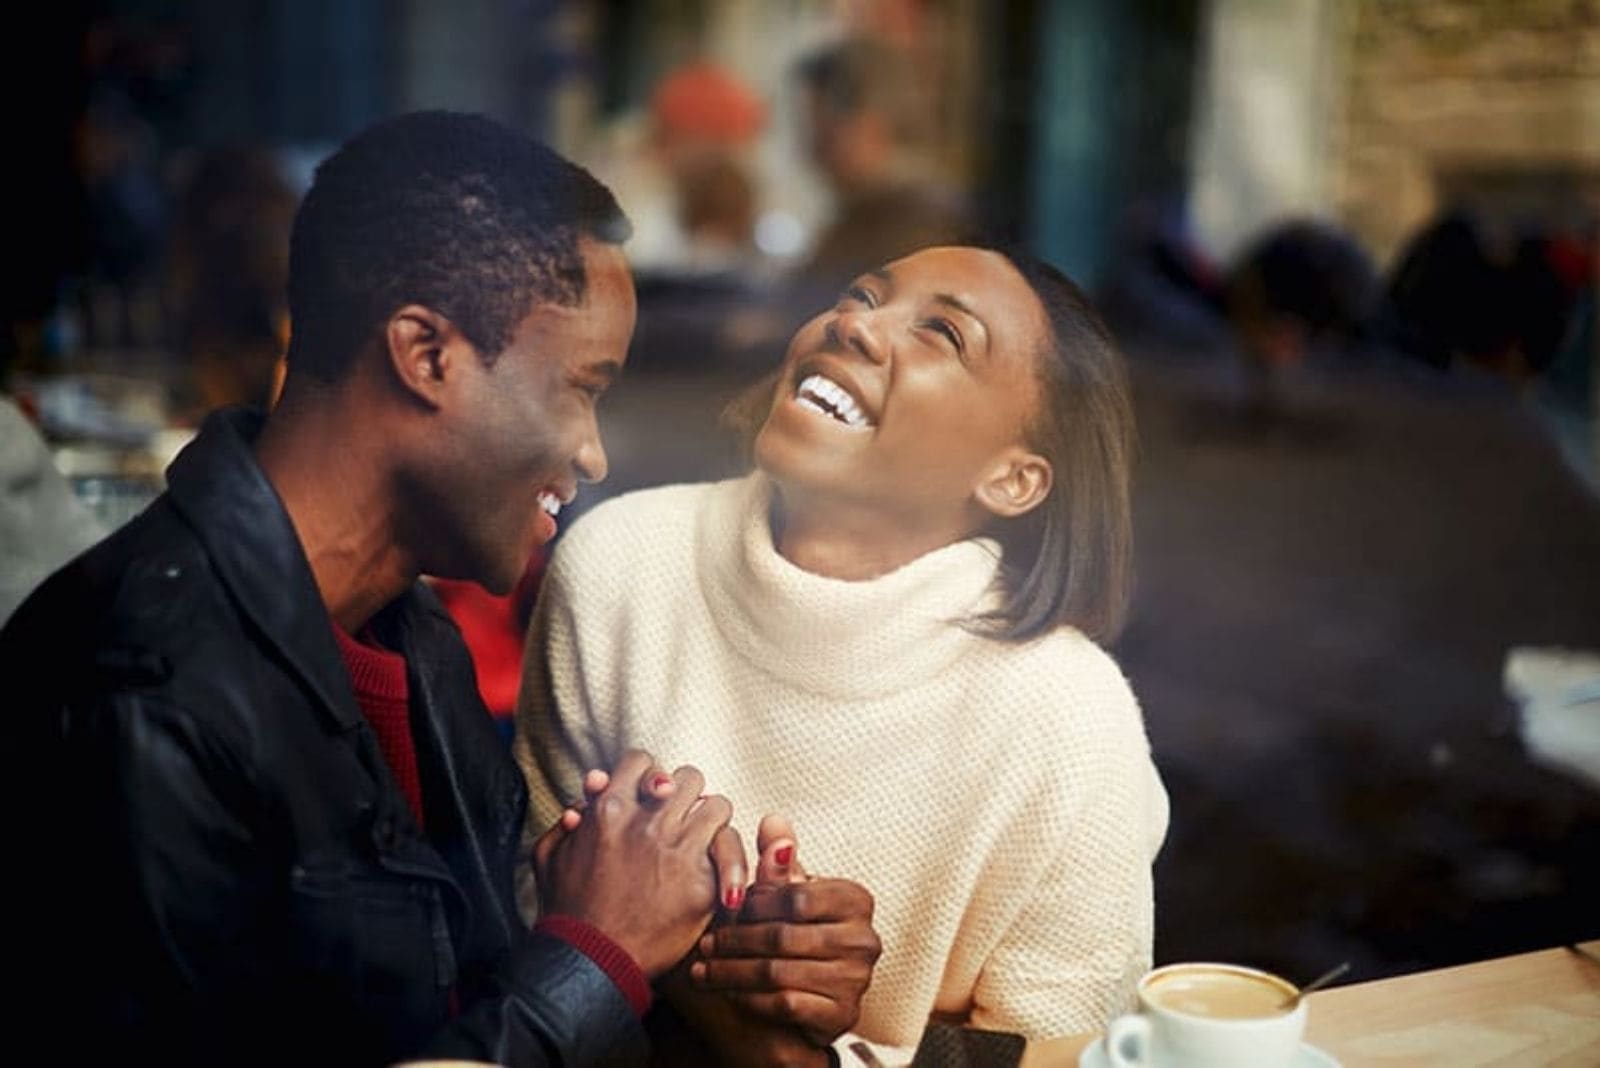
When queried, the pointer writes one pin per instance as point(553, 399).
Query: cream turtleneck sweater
point(998, 799)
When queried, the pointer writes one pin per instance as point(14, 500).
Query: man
point(283, 826)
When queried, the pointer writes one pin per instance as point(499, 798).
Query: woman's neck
point(853, 544)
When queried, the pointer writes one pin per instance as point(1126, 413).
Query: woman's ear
point(1015, 484)
point(421, 346)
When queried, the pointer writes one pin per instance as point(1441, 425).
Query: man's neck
point(334, 486)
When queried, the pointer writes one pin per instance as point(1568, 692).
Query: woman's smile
point(821, 394)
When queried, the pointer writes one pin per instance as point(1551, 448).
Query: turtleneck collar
point(830, 636)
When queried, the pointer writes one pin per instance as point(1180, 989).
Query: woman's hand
point(802, 949)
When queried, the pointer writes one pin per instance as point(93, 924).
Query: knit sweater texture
point(998, 799)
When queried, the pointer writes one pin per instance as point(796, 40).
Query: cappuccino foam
point(1219, 994)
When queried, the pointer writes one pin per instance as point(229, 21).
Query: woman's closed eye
point(949, 331)
point(859, 295)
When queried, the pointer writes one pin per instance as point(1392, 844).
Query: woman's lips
point(819, 393)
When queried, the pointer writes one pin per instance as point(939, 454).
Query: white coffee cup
point(1204, 1015)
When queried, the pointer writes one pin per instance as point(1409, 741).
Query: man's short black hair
point(452, 211)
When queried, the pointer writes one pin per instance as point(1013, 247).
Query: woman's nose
point(857, 329)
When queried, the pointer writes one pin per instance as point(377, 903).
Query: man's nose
point(590, 460)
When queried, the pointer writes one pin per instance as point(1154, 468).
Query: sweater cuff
point(609, 957)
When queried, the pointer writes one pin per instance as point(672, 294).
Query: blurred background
point(1349, 246)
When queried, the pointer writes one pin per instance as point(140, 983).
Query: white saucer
point(1307, 1056)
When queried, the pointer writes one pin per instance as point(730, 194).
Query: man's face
point(524, 434)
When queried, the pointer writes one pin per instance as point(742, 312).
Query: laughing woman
point(888, 631)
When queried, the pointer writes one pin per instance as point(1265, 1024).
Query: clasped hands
point(769, 971)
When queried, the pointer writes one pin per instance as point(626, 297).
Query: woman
point(887, 632)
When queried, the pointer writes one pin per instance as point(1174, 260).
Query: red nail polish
point(733, 898)
point(784, 856)
point(661, 780)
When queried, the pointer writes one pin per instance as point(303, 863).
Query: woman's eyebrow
point(958, 304)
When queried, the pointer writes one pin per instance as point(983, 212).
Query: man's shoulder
point(137, 611)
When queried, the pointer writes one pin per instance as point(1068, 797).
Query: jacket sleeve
point(168, 899)
point(557, 1008)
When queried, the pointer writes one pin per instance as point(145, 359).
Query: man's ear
point(423, 348)
point(1015, 483)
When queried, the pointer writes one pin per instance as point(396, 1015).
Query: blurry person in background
point(890, 633)
point(42, 522)
point(1493, 303)
point(128, 209)
point(1303, 292)
point(695, 134)
point(228, 270)
point(1503, 309)
point(281, 825)
point(867, 130)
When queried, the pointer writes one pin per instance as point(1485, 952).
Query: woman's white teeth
point(550, 503)
point(822, 394)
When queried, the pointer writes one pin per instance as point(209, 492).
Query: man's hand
point(738, 1039)
point(638, 865)
point(802, 950)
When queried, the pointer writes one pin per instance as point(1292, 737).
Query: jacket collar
point(222, 493)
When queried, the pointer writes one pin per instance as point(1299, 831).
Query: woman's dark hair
point(1069, 561)
point(448, 210)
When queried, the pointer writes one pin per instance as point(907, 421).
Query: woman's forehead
point(980, 279)
point(979, 273)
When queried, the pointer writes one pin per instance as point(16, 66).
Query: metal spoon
point(1316, 984)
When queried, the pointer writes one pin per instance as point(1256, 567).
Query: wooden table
point(1531, 1009)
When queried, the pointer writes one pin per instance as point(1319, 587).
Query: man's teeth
point(822, 394)
point(550, 503)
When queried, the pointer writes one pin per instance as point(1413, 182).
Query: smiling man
point(283, 827)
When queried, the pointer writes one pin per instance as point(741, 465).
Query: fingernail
point(708, 945)
point(660, 781)
point(733, 898)
point(784, 856)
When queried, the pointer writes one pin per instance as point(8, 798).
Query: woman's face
point(908, 392)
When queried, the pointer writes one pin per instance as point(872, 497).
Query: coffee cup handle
point(1132, 1031)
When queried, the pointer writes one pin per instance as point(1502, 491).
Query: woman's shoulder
point(645, 531)
point(637, 520)
point(1067, 656)
point(1071, 684)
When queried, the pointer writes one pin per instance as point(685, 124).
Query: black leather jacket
point(233, 875)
